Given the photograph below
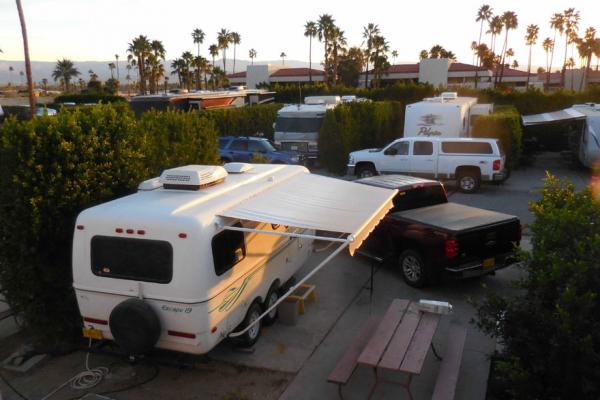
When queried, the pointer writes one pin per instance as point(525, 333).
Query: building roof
point(402, 69)
point(462, 67)
point(513, 73)
point(296, 72)
point(241, 74)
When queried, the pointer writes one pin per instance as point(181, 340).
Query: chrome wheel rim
point(467, 183)
point(411, 268)
point(366, 173)
point(253, 331)
point(272, 300)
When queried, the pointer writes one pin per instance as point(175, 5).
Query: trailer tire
point(251, 336)
point(271, 298)
point(134, 326)
point(413, 268)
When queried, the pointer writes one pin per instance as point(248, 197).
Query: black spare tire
point(135, 326)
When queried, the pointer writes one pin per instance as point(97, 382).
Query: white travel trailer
point(297, 125)
point(587, 144)
point(203, 252)
point(445, 116)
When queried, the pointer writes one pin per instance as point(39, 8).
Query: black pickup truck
point(427, 236)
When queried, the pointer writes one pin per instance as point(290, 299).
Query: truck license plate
point(92, 333)
point(489, 262)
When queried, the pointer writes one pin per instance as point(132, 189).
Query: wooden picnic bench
point(400, 341)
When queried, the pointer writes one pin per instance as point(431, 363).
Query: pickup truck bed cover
point(453, 217)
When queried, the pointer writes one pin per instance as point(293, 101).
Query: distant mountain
point(43, 69)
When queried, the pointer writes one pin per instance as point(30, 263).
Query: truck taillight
point(496, 165)
point(451, 249)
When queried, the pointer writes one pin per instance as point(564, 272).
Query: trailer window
point(132, 259)
point(300, 125)
point(467, 148)
point(228, 249)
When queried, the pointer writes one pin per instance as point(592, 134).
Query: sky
point(96, 30)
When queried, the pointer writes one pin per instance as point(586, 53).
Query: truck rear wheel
point(413, 268)
point(366, 171)
point(468, 181)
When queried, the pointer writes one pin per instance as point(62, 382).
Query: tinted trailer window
point(132, 259)
point(302, 125)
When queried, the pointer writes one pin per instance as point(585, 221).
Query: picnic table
point(400, 341)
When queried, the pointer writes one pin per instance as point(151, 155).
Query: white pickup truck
point(468, 161)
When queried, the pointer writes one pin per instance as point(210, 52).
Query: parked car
point(426, 236)
point(242, 148)
point(469, 161)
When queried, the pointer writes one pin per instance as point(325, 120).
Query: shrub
point(504, 124)
point(83, 98)
point(246, 121)
point(358, 125)
point(551, 329)
point(51, 169)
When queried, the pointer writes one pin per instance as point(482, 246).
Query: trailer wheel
point(135, 326)
point(272, 298)
point(468, 180)
point(413, 268)
point(251, 336)
point(366, 171)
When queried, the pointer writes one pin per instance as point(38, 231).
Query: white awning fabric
point(568, 114)
point(316, 202)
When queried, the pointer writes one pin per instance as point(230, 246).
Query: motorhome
point(204, 252)
point(581, 119)
point(445, 116)
point(297, 125)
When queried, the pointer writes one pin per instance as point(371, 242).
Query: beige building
point(257, 74)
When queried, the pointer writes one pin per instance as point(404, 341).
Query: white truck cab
point(469, 161)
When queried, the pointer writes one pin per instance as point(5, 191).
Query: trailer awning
point(568, 114)
point(316, 202)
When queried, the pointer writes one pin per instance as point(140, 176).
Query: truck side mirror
point(392, 151)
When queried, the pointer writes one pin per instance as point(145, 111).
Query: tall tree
point(495, 28)
point(111, 67)
point(586, 48)
point(65, 70)
point(350, 66)
point(223, 40)
point(483, 15)
point(154, 64)
point(117, 63)
point(325, 26)
point(282, 56)
point(198, 38)
point(188, 59)
point(27, 60)
point(369, 32)
point(570, 25)
point(236, 39)
point(213, 50)
point(140, 48)
point(557, 23)
point(394, 56)
point(423, 54)
point(531, 39)
point(10, 71)
point(379, 58)
point(310, 31)
point(338, 45)
point(252, 55)
point(177, 68)
point(510, 21)
point(548, 46)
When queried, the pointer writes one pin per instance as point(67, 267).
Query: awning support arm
point(293, 288)
point(290, 234)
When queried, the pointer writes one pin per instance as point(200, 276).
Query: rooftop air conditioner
point(192, 177)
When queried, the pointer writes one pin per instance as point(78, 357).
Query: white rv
point(202, 252)
point(297, 125)
point(587, 143)
point(445, 116)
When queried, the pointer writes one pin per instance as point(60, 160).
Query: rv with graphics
point(203, 252)
point(445, 116)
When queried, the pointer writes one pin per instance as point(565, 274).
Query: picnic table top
point(402, 338)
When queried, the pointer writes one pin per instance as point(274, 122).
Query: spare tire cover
point(135, 326)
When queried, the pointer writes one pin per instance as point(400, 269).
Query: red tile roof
point(462, 67)
point(241, 74)
point(296, 72)
point(403, 69)
point(513, 73)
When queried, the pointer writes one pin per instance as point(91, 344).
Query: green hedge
point(246, 121)
point(356, 126)
point(504, 124)
point(51, 168)
point(83, 98)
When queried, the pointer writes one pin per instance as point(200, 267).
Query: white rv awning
point(568, 114)
point(316, 202)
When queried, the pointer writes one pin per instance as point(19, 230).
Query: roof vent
point(237, 167)
point(449, 95)
point(192, 177)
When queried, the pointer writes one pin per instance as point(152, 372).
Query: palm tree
point(495, 28)
point(252, 55)
point(436, 51)
point(379, 57)
point(369, 32)
point(325, 26)
point(45, 84)
point(338, 47)
point(112, 67)
point(587, 47)
point(570, 25)
point(282, 56)
point(548, 46)
point(10, 71)
point(27, 60)
point(557, 23)
point(65, 70)
point(200, 64)
point(531, 39)
point(177, 68)
point(155, 67)
point(510, 21)
point(140, 48)
point(213, 49)
point(310, 31)
point(117, 58)
point(483, 15)
point(515, 64)
point(236, 39)
point(394, 56)
point(423, 54)
point(198, 37)
point(188, 59)
point(223, 40)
